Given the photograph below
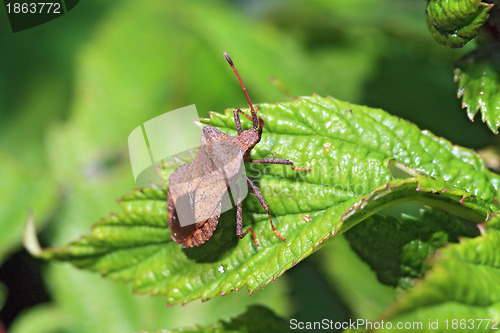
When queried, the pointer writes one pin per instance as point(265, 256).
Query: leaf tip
point(30, 239)
point(480, 227)
point(471, 114)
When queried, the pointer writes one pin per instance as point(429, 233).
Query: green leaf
point(255, 319)
point(349, 149)
point(462, 284)
point(455, 22)
point(478, 76)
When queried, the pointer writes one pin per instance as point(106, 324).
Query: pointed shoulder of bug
point(211, 134)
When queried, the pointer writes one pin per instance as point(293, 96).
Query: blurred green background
point(71, 91)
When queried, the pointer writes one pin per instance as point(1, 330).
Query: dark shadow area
point(221, 242)
point(21, 274)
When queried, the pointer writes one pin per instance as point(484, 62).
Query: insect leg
point(261, 124)
point(264, 205)
point(239, 225)
point(278, 161)
point(237, 120)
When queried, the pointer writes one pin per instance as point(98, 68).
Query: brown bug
point(200, 188)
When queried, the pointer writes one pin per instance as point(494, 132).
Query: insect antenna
point(254, 113)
